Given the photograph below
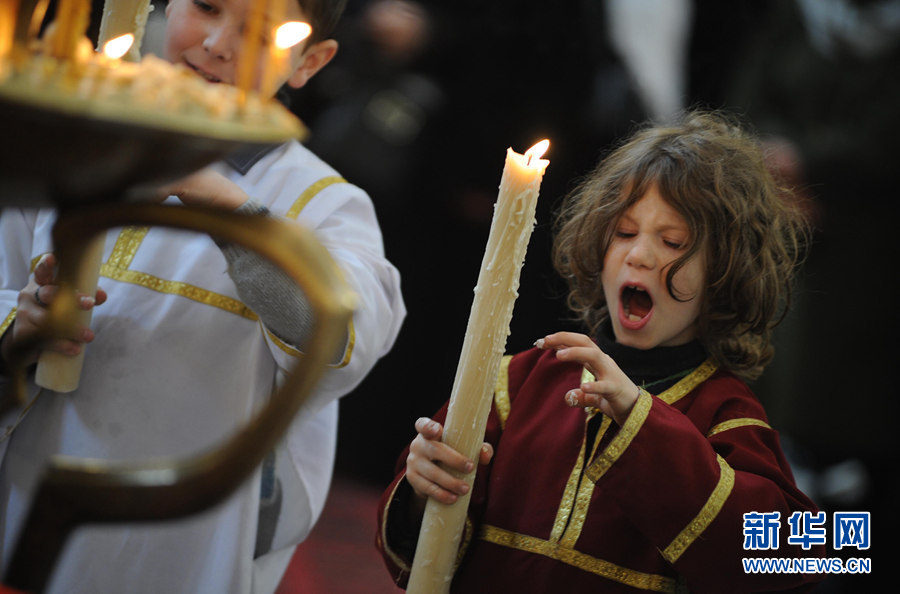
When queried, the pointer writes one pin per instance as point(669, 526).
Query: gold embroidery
point(569, 556)
point(182, 289)
point(295, 352)
point(8, 321)
point(569, 494)
point(397, 559)
point(351, 342)
point(310, 193)
point(36, 259)
point(131, 238)
point(688, 383)
point(620, 442)
point(126, 246)
point(585, 491)
point(735, 423)
point(572, 493)
point(710, 510)
point(501, 391)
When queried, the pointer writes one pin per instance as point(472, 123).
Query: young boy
point(678, 251)
point(192, 339)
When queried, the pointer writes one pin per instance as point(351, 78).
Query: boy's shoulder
point(718, 397)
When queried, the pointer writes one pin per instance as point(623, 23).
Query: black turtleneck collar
point(655, 369)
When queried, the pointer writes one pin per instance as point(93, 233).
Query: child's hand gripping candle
point(479, 362)
point(57, 371)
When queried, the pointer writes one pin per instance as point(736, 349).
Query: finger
point(86, 302)
point(579, 398)
point(589, 356)
point(426, 488)
point(44, 295)
point(486, 453)
point(45, 269)
point(561, 340)
point(428, 428)
point(101, 297)
point(430, 480)
point(64, 347)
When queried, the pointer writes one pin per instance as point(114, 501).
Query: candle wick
point(528, 162)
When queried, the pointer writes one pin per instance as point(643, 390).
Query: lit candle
point(100, 68)
point(251, 47)
point(286, 36)
point(8, 13)
point(121, 17)
point(479, 362)
point(69, 27)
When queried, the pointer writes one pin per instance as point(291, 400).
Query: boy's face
point(207, 36)
point(648, 238)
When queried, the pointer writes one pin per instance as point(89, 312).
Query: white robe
point(178, 364)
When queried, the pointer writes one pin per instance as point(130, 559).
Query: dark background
point(423, 122)
point(496, 74)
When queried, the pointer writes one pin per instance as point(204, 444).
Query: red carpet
point(339, 556)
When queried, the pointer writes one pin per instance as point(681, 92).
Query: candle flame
point(119, 46)
point(537, 151)
point(291, 33)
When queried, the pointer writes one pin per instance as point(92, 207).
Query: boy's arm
point(279, 302)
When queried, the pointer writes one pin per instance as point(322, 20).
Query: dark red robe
point(654, 505)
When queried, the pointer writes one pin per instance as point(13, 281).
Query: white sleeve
point(343, 219)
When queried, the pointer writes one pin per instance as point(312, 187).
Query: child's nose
point(641, 254)
point(221, 42)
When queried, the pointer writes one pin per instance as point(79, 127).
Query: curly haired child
point(625, 459)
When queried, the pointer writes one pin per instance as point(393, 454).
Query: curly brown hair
point(750, 228)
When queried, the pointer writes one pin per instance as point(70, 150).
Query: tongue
point(640, 304)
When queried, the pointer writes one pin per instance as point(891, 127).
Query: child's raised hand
point(429, 458)
point(612, 392)
point(31, 312)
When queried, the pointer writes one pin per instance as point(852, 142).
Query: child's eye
point(204, 6)
point(674, 244)
point(625, 234)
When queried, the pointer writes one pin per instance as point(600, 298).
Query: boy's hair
point(749, 228)
point(324, 15)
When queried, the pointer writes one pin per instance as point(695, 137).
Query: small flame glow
point(119, 46)
point(291, 33)
point(537, 151)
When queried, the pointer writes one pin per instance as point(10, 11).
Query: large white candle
point(479, 361)
point(121, 17)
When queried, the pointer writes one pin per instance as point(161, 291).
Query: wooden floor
point(339, 556)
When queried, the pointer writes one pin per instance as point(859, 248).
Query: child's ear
point(313, 59)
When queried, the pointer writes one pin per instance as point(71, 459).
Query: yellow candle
point(251, 46)
point(479, 362)
point(8, 13)
point(70, 25)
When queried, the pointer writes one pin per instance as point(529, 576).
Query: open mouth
point(636, 303)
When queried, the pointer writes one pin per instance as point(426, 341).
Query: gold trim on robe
point(735, 423)
point(707, 514)
point(569, 556)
